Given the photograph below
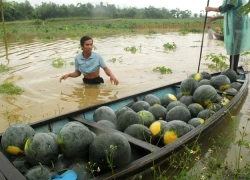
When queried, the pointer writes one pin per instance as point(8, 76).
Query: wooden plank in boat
point(134, 141)
point(2, 176)
point(9, 171)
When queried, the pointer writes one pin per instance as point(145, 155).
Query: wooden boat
point(219, 36)
point(149, 154)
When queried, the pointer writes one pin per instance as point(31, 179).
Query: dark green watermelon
point(140, 105)
point(126, 119)
point(74, 139)
point(178, 113)
point(152, 99)
point(139, 131)
point(109, 147)
point(41, 148)
point(104, 113)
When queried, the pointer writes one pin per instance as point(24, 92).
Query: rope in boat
point(203, 38)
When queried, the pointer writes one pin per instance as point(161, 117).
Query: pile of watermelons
point(161, 120)
point(39, 156)
point(157, 120)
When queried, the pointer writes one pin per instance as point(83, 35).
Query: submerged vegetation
point(113, 60)
point(58, 63)
point(170, 46)
point(162, 70)
point(4, 68)
point(10, 88)
point(132, 49)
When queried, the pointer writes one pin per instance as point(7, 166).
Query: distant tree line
point(25, 11)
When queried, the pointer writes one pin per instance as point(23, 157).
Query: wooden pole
point(203, 38)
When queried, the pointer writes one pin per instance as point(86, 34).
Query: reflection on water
point(44, 96)
point(89, 94)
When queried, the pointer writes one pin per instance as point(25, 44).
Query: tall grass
point(77, 27)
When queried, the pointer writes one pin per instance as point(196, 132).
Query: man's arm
point(110, 74)
point(73, 75)
point(212, 19)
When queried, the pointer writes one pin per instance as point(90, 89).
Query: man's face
point(87, 46)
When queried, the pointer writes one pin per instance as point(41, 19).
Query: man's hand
point(113, 79)
point(64, 77)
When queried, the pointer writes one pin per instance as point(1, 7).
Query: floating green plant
point(131, 49)
point(4, 68)
point(169, 46)
point(9, 88)
point(163, 70)
point(58, 63)
point(113, 60)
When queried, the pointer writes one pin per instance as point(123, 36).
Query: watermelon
point(194, 109)
point(186, 100)
point(152, 99)
point(236, 85)
point(175, 103)
point(205, 114)
point(140, 105)
point(104, 123)
point(122, 110)
point(188, 86)
point(139, 131)
point(179, 95)
point(41, 148)
point(63, 163)
point(14, 138)
point(218, 99)
point(107, 124)
point(231, 74)
point(204, 95)
point(175, 129)
point(230, 91)
point(104, 113)
point(197, 76)
point(39, 173)
point(128, 118)
point(167, 98)
point(109, 147)
point(204, 82)
point(158, 111)
point(196, 121)
point(205, 75)
point(221, 82)
point(214, 107)
point(22, 164)
point(147, 118)
point(178, 113)
point(74, 139)
point(157, 129)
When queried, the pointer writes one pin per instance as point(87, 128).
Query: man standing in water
point(88, 63)
point(210, 32)
point(236, 29)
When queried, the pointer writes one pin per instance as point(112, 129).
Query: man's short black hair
point(85, 38)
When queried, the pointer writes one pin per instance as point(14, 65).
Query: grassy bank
point(74, 28)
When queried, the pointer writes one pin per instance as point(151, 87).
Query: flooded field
point(44, 96)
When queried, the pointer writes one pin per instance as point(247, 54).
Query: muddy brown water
point(44, 96)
